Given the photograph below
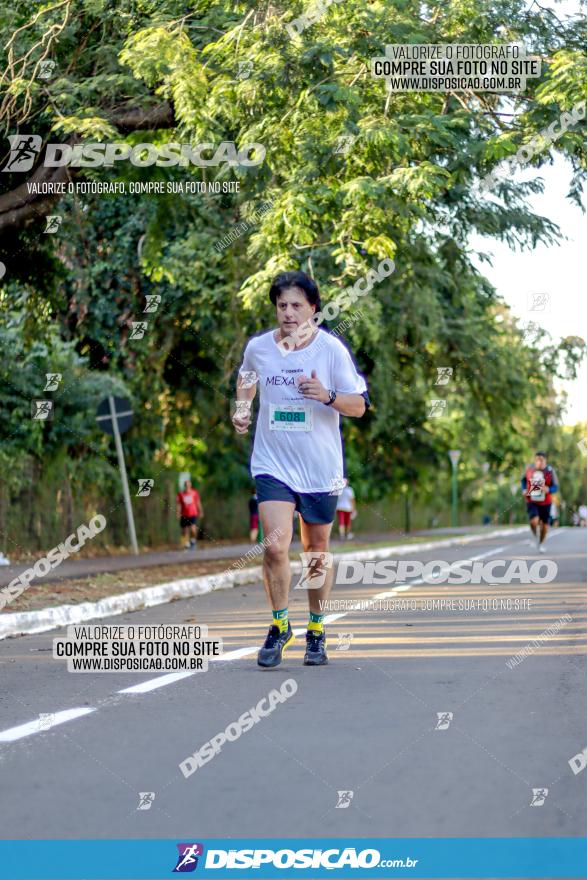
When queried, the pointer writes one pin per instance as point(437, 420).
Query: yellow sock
point(316, 623)
point(281, 619)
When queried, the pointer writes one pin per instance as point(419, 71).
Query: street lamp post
point(454, 455)
point(486, 516)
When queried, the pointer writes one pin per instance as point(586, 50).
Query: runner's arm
point(553, 481)
point(524, 484)
point(350, 405)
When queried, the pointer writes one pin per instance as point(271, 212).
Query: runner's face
point(292, 309)
point(540, 462)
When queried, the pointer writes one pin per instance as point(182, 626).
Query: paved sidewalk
point(80, 567)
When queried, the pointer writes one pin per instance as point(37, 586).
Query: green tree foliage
point(352, 175)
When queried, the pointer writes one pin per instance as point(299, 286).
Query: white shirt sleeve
point(345, 377)
point(248, 364)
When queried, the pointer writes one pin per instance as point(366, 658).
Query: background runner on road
point(189, 508)
point(538, 484)
point(346, 510)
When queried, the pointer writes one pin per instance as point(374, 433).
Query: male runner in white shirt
point(297, 457)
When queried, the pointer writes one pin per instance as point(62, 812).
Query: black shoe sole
point(322, 662)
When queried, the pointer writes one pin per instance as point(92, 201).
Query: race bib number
point(290, 418)
point(537, 494)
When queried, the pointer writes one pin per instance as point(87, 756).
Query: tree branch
point(20, 207)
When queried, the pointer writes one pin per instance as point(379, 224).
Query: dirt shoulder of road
point(73, 591)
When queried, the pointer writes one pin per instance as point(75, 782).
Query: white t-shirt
point(345, 499)
point(297, 440)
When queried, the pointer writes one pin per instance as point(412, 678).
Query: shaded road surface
point(367, 724)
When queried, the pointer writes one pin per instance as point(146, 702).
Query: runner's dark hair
point(296, 279)
point(543, 454)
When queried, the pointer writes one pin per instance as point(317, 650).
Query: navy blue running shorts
point(313, 507)
point(542, 511)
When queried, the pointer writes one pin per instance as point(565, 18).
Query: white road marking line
point(14, 733)
point(153, 683)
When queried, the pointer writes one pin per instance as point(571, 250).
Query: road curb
point(22, 623)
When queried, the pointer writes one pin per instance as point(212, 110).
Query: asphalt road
point(206, 551)
point(367, 723)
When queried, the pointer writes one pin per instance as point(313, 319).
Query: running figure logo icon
point(188, 857)
point(444, 375)
point(146, 799)
point(153, 301)
point(315, 567)
point(344, 799)
point(24, 149)
point(53, 380)
point(52, 222)
point(444, 719)
point(344, 641)
point(248, 378)
point(138, 329)
point(436, 408)
point(42, 410)
point(145, 487)
point(539, 795)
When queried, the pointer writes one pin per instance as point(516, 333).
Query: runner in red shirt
point(189, 508)
point(539, 483)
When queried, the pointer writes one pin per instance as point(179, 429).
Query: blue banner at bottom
point(220, 858)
